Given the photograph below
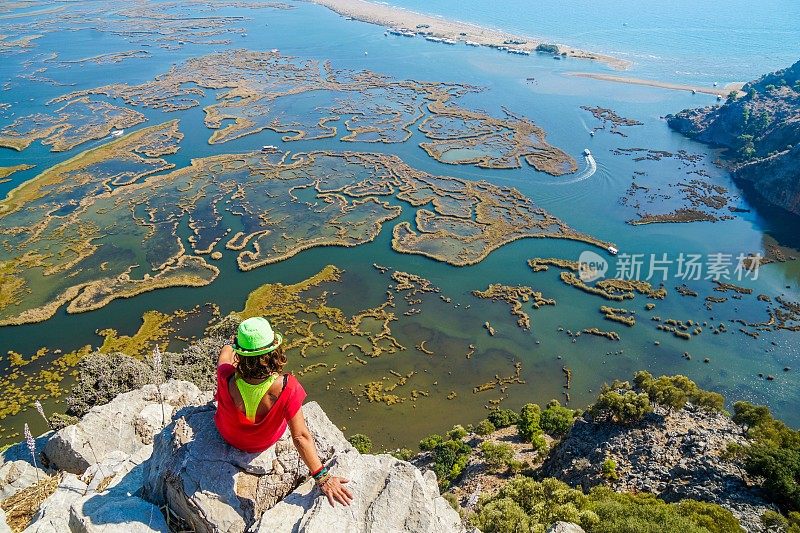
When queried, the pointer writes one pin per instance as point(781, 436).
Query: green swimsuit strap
point(253, 394)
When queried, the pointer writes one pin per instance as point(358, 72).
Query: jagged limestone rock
point(125, 425)
point(3, 525)
point(53, 514)
point(565, 527)
point(389, 495)
point(215, 487)
point(16, 467)
point(115, 513)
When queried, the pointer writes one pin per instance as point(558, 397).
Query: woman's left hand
point(334, 489)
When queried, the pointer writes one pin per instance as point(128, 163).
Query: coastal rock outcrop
point(124, 425)
point(405, 500)
point(760, 127)
point(121, 463)
point(215, 487)
point(675, 455)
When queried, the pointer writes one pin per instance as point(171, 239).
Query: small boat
point(117, 133)
point(586, 151)
point(591, 133)
point(269, 149)
point(449, 41)
point(433, 39)
point(275, 51)
point(612, 250)
point(471, 43)
point(403, 32)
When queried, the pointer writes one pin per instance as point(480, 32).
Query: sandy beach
point(719, 90)
point(395, 17)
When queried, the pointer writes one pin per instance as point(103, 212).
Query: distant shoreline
point(396, 17)
point(721, 90)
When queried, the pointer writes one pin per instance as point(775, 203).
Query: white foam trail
point(588, 172)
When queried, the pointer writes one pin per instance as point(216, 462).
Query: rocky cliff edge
point(151, 460)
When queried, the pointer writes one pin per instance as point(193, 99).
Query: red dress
point(254, 437)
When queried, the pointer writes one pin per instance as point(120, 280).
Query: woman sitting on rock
point(255, 402)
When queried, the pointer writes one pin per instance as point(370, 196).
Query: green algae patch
point(515, 297)
point(124, 236)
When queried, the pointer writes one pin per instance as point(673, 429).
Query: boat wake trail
point(588, 172)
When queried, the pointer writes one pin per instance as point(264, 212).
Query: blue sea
point(676, 40)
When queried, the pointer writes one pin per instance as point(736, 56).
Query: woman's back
point(255, 399)
point(271, 416)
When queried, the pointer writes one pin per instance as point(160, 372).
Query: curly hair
point(262, 366)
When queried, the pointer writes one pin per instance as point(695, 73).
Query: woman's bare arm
point(334, 489)
point(226, 356)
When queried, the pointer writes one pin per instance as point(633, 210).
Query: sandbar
point(396, 17)
point(721, 90)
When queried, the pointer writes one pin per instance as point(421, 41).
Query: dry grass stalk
point(21, 507)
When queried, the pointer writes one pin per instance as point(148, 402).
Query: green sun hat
point(256, 337)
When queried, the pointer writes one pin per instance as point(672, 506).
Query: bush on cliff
point(449, 459)
point(528, 427)
point(523, 504)
point(673, 392)
point(774, 454)
point(620, 404)
point(556, 419)
point(497, 455)
point(502, 418)
point(361, 442)
point(485, 427)
point(101, 377)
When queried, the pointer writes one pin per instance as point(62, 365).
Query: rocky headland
point(760, 128)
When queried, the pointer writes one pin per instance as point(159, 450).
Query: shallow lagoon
point(553, 102)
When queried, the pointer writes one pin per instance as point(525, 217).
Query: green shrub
point(60, 421)
point(644, 513)
point(404, 454)
point(449, 459)
point(502, 418)
point(528, 424)
point(503, 515)
point(622, 408)
point(430, 442)
point(452, 500)
point(485, 427)
point(539, 443)
point(523, 504)
point(556, 420)
point(609, 470)
point(457, 433)
point(774, 454)
point(361, 442)
point(774, 521)
point(497, 455)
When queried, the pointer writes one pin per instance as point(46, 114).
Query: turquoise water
point(553, 102)
point(681, 41)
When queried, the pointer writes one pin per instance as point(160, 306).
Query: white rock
point(565, 527)
point(126, 424)
point(106, 513)
point(16, 467)
point(3, 525)
point(53, 515)
point(215, 487)
point(389, 496)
